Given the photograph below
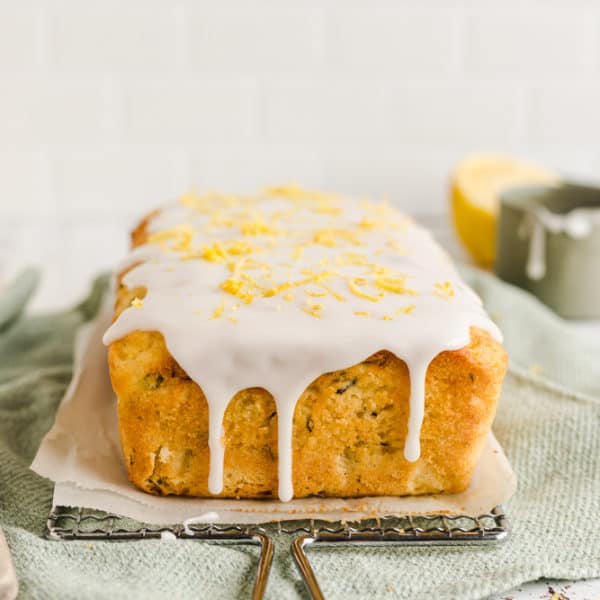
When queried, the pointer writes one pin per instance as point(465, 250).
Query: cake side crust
point(349, 426)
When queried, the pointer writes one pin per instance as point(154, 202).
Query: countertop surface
point(70, 253)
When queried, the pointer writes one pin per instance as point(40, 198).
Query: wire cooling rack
point(66, 523)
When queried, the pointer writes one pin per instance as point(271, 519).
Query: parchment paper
point(82, 454)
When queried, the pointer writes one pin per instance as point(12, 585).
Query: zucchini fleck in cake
point(294, 343)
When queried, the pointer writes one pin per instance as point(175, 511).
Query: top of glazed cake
point(275, 289)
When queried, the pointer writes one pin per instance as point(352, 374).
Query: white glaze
point(226, 345)
point(207, 517)
point(576, 224)
point(167, 536)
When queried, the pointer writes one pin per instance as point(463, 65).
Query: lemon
point(476, 185)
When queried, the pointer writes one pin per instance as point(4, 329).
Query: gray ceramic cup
point(548, 243)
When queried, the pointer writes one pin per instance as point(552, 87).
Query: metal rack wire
point(66, 523)
point(490, 528)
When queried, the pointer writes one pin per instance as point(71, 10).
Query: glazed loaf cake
point(294, 343)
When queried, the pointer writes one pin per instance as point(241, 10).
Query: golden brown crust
point(349, 425)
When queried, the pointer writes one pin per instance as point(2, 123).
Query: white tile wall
point(190, 110)
point(286, 38)
point(556, 42)
point(107, 109)
point(565, 115)
point(395, 41)
point(19, 38)
point(94, 37)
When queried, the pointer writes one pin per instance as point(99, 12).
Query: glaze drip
point(276, 289)
point(577, 224)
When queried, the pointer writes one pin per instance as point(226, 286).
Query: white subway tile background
point(108, 109)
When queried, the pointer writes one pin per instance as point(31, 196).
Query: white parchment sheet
point(82, 454)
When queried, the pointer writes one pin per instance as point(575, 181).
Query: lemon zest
point(352, 258)
point(335, 294)
point(218, 312)
point(355, 285)
point(332, 238)
point(298, 252)
point(315, 294)
point(178, 238)
point(293, 191)
point(406, 310)
point(395, 285)
point(293, 284)
point(368, 224)
point(256, 227)
point(221, 251)
point(397, 247)
point(314, 310)
point(444, 290)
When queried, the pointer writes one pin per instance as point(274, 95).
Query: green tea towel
point(548, 423)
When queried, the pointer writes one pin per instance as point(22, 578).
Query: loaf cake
point(295, 343)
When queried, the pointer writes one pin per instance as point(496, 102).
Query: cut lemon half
point(476, 186)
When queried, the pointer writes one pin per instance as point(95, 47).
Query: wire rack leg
point(264, 564)
point(66, 525)
point(304, 567)
point(408, 537)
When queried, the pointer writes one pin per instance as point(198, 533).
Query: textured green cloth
point(548, 424)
